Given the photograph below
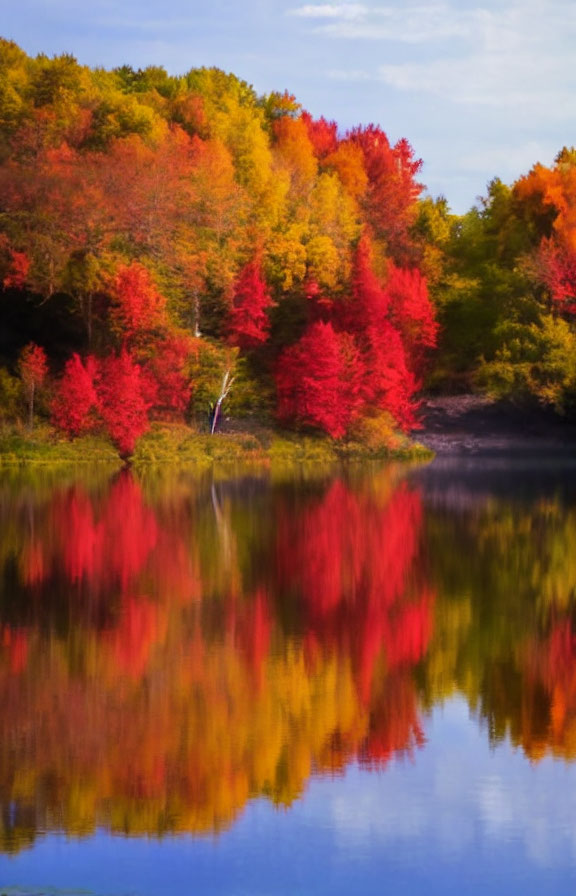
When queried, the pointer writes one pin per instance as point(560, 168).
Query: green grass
point(173, 444)
point(43, 446)
point(176, 444)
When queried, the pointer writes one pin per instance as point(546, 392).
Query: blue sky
point(479, 89)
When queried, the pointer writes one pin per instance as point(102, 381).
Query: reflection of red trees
point(33, 561)
point(108, 547)
point(15, 642)
point(108, 543)
point(552, 666)
point(139, 628)
point(394, 723)
point(253, 627)
point(211, 695)
point(129, 529)
point(352, 561)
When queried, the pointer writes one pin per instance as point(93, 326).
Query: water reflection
point(502, 547)
point(168, 654)
point(172, 648)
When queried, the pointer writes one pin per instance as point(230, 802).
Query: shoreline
point(475, 425)
point(453, 426)
point(177, 445)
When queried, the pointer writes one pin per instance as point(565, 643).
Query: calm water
point(362, 683)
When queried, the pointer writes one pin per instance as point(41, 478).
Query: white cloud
point(520, 53)
point(411, 25)
point(499, 80)
point(460, 795)
point(345, 11)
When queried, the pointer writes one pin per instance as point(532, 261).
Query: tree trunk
point(31, 407)
point(224, 390)
point(197, 332)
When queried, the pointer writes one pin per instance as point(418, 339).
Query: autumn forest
point(173, 248)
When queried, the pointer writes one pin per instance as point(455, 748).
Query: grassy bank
point(44, 446)
point(259, 445)
point(179, 445)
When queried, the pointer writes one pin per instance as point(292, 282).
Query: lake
point(359, 682)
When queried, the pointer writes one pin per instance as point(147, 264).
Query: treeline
point(158, 233)
point(163, 237)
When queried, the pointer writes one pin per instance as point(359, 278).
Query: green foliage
point(484, 288)
point(208, 365)
point(11, 397)
point(534, 361)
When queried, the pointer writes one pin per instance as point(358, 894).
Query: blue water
point(461, 818)
point(447, 768)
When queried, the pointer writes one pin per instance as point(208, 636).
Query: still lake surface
point(362, 682)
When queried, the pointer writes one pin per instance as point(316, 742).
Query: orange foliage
point(138, 306)
point(348, 163)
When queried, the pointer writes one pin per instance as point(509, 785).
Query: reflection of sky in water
point(461, 817)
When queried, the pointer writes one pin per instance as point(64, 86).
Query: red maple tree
point(412, 312)
point(249, 324)
point(318, 380)
point(323, 134)
point(75, 396)
point(122, 402)
point(169, 384)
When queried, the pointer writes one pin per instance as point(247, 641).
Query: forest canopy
point(161, 235)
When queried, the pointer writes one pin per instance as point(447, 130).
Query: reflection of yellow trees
point(173, 657)
point(504, 633)
point(188, 742)
point(172, 649)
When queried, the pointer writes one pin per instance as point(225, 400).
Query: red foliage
point(249, 324)
point(392, 188)
point(388, 384)
point(556, 267)
point(328, 377)
point(318, 380)
point(122, 402)
point(369, 302)
point(75, 396)
point(18, 270)
point(169, 385)
point(323, 134)
point(138, 306)
point(412, 312)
